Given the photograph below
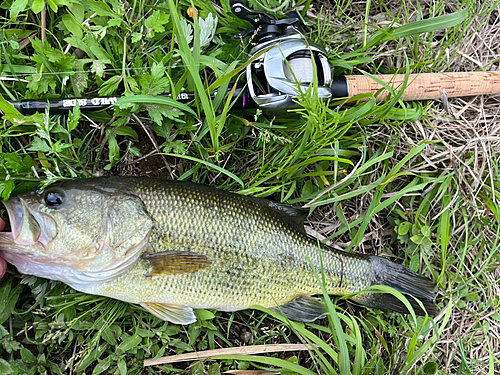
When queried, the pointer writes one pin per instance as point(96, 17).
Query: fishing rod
point(285, 63)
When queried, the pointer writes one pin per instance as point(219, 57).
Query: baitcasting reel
point(277, 77)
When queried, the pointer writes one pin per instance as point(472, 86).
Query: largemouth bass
point(174, 246)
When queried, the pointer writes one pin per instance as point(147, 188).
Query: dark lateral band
point(339, 87)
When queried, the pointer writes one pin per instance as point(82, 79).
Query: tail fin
point(403, 280)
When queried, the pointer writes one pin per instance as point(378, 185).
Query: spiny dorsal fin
point(294, 214)
point(173, 313)
point(302, 309)
point(175, 262)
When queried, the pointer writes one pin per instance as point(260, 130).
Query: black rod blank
point(57, 106)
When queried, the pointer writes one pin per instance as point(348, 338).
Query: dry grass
point(465, 136)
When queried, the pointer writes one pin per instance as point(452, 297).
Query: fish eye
point(54, 198)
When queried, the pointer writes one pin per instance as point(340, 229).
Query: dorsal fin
point(168, 263)
point(294, 214)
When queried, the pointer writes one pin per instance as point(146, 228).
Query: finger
point(3, 267)
point(2, 225)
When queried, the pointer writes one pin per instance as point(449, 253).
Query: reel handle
point(425, 86)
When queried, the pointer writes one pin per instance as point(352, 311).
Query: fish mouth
point(29, 227)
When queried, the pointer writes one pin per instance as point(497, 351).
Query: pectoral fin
point(302, 309)
point(173, 313)
point(175, 262)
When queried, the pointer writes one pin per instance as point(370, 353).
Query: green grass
point(405, 180)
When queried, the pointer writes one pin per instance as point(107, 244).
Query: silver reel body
point(277, 77)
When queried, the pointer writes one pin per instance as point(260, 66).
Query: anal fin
point(173, 313)
point(302, 309)
point(175, 262)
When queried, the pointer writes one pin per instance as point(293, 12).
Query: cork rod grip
point(428, 86)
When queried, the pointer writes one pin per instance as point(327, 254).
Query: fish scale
point(174, 246)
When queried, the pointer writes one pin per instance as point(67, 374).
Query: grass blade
point(210, 165)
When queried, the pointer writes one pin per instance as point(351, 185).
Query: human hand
point(3, 265)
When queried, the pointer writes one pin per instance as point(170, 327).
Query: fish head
point(76, 232)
